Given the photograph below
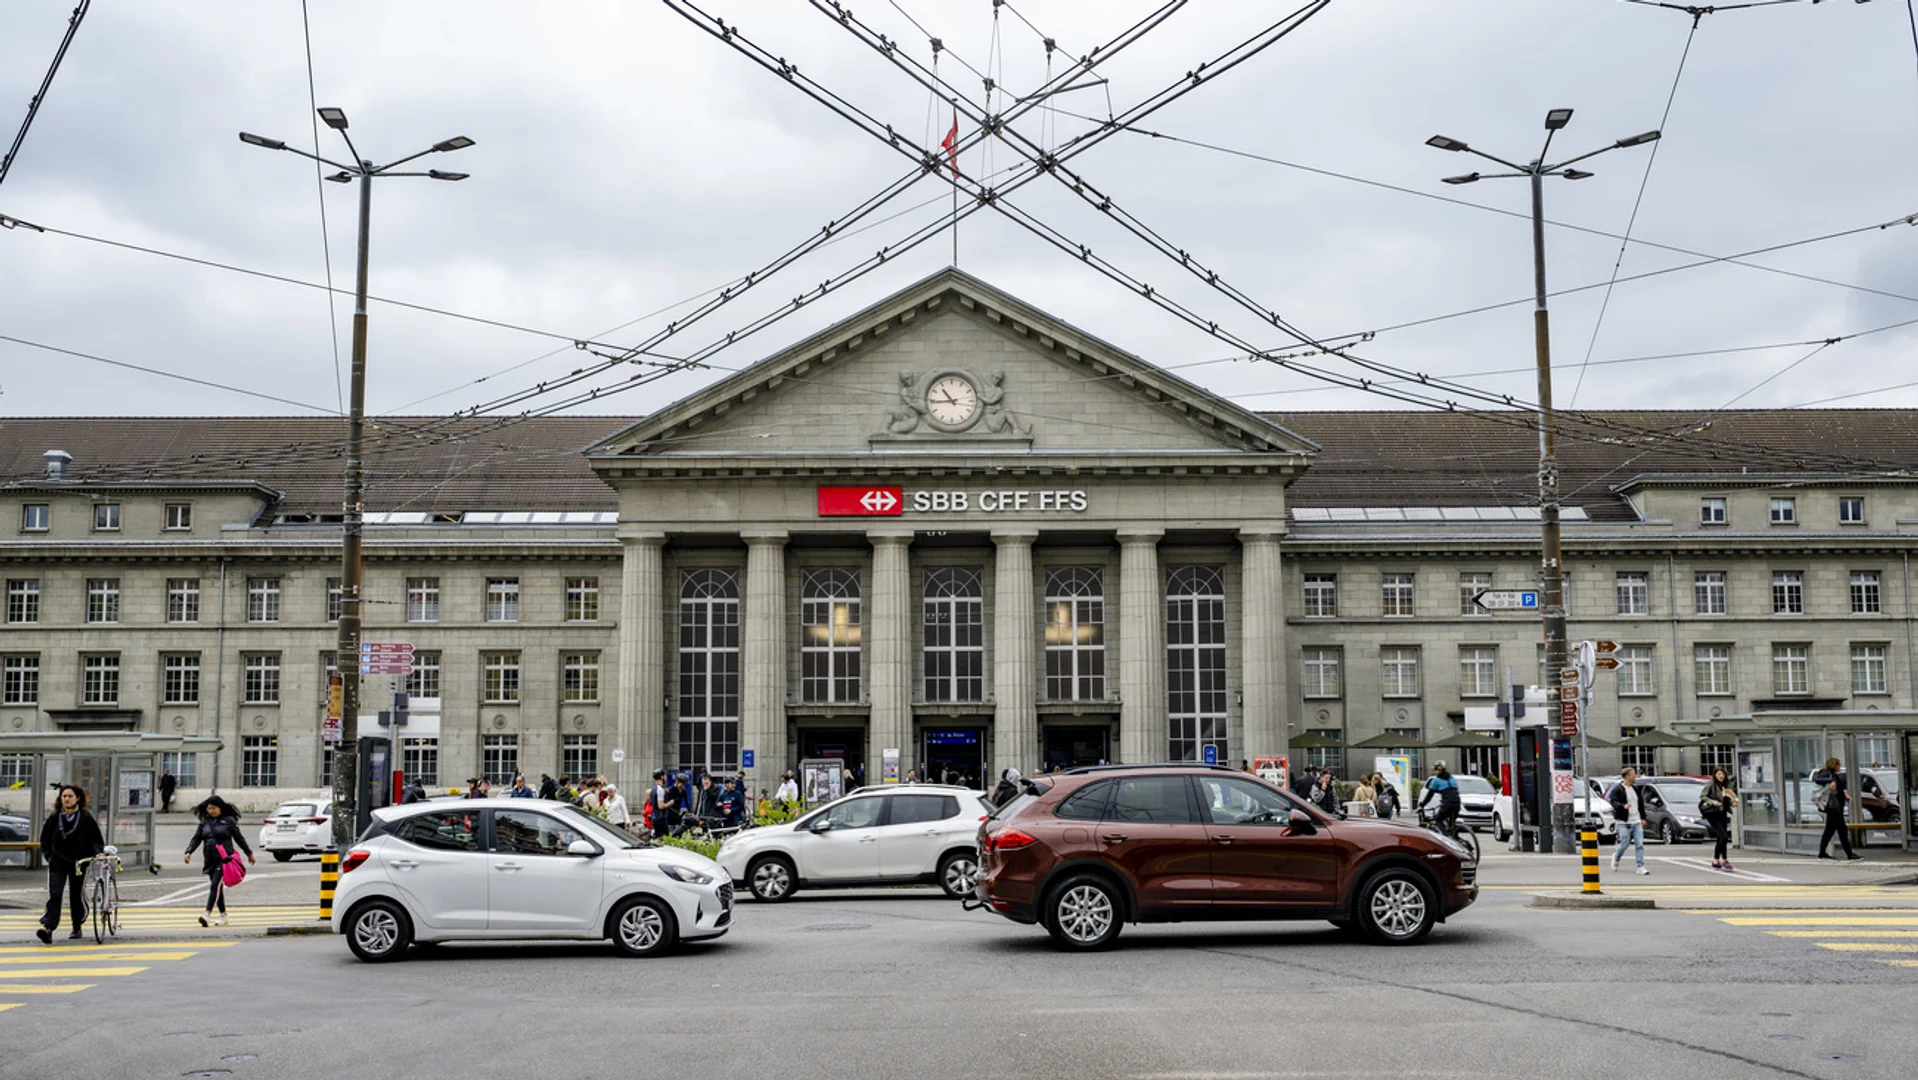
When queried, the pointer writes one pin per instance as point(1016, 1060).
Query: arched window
point(1075, 634)
point(709, 669)
point(829, 636)
point(955, 654)
point(1195, 662)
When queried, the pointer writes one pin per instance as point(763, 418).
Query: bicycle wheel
point(113, 905)
point(98, 898)
point(1470, 840)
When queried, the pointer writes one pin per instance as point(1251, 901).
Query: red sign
point(1568, 718)
point(861, 501)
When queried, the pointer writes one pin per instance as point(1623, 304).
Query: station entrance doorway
point(1071, 745)
point(846, 744)
point(953, 754)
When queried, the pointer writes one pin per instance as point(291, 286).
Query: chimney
point(57, 463)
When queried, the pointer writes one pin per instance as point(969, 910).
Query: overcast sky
point(626, 162)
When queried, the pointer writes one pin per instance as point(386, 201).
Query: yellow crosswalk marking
point(1822, 920)
point(7, 989)
point(1844, 933)
point(1802, 911)
point(79, 973)
point(1900, 963)
point(4, 1006)
point(90, 958)
point(163, 945)
point(1866, 946)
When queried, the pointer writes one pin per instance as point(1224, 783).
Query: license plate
point(288, 828)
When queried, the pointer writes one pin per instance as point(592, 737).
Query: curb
point(298, 930)
point(1582, 901)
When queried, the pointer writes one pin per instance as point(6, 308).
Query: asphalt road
point(906, 984)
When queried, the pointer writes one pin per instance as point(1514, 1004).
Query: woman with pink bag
point(220, 842)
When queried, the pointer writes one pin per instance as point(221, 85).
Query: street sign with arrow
point(1507, 600)
point(1605, 662)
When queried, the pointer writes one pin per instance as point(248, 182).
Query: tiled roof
point(1369, 459)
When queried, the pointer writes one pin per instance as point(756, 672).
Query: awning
point(1389, 741)
point(1314, 741)
point(1468, 739)
point(1655, 737)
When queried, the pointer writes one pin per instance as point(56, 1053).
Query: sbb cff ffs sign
point(861, 501)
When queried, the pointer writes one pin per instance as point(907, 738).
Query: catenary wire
point(46, 83)
point(210, 384)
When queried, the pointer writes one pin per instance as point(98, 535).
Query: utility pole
point(1551, 564)
point(349, 811)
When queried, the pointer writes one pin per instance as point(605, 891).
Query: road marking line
point(1843, 933)
point(161, 945)
point(1693, 862)
point(1823, 920)
point(1900, 963)
point(1865, 946)
point(1802, 911)
point(9, 1005)
point(82, 973)
point(92, 958)
point(56, 988)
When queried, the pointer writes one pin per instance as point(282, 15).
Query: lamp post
point(348, 816)
point(1552, 575)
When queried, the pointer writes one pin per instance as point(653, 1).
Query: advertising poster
point(889, 759)
point(1273, 769)
point(1397, 770)
point(821, 780)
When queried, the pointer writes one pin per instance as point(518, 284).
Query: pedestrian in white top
point(788, 789)
point(1628, 806)
point(615, 806)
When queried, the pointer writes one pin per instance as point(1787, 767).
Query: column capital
point(635, 533)
point(1140, 536)
point(764, 536)
point(889, 537)
point(1014, 536)
point(1261, 534)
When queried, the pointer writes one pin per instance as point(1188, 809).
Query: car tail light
point(353, 860)
point(1010, 840)
point(312, 821)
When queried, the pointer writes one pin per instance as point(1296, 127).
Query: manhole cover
point(832, 927)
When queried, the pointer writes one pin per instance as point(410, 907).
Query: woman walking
point(1716, 802)
point(1365, 793)
point(69, 836)
point(217, 837)
point(1831, 779)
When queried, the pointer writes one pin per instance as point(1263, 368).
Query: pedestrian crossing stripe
point(1900, 963)
point(91, 958)
point(41, 950)
point(4, 1006)
point(42, 988)
point(1863, 920)
point(79, 973)
point(1798, 911)
point(1844, 933)
point(1866, 946)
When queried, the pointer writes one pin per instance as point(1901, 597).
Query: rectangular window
point(1399, 671)
point(582, 599)
point(23, 600)
point(179, 517)
point(1195, 662)
point(1788, 593)
point(20, 680)
point(1397, 592)
point(1324, 675)
point(103, 600)
point(953, 610)
point(502, 599)
point(1791, 669)
point(1711, 511)
point(183, 600)
point(34, 517)
point(709, 669)
point(425, 679)
point(1634, 594)
point(1708, 592)
point(502, 678)
point(579, 676)
point(829, 636)
point(1864, 592)
point(1712, 667)
point(106, 517)
point(179, 678)
point(1867, 669)
point(261, 678)
point(421, 760)
point(579, 755)
point(1717, 756)
point(260, 761)
point(1469, 586)
point(1478, 671)
point(335, 599)
point(1851, 509)
point(1075, 634)
point(1634, 670)
point(1644, 759)
point(185, 768)
point(262, 599)
point(422, 599)
point(499, 758)
point(100, 679)
point(1321, 596)
point(1784, 511)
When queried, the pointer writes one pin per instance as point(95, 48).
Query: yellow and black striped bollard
point(330, 879)
point(1588, 854)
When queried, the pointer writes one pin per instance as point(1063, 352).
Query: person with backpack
point(1715, 802)
point(70, 836)
point(1388, 798)
point(548, 787)
point(219, 838)
point(1831, 798)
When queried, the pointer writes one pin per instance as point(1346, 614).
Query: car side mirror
point(585, 849)
point(1301, 821)
point(823, 824)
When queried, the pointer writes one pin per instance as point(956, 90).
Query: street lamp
point(1552, 610)
point(349, 816)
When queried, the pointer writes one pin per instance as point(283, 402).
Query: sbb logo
point(861, 502)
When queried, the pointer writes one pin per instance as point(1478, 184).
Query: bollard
point(330, 878)
point(1588, 854)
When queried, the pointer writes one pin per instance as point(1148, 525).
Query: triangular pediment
point(951, 367)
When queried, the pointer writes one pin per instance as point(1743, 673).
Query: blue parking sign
point(1211, 755)
point(745, 759)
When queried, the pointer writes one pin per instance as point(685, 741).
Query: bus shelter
point(1779, 752)
point(119, 771)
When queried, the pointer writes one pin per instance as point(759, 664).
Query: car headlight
point(1453, 846)
point(1692, 821)
point(686, 874)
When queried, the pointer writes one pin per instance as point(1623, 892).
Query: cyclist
point(69, 837)
point(1442, 787)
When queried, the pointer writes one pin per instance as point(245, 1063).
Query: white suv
point(920, 833)
point(503, 869)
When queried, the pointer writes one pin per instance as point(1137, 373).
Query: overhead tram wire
point(208, 383)
point(319, 183)
point(46, 83)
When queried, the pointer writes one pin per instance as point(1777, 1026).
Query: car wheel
point(771, 878)
point(1397, 907)
point(282, 856)
point(378, 932)
point(643, 926)
point(1083, 914)
point(1498, 829)
point(1668, 832)
point(958, 873)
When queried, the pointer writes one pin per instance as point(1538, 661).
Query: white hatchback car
point(504, 869)
point(899, 835)
point(304, 826)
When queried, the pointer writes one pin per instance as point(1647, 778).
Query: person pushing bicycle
point(69, 837)
point(1442, 787)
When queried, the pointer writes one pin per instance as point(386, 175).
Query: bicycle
point(1464, 836)
point(103, 892)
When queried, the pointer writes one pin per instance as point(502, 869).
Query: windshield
point(1680, 794)
point(595, 828)
point(297, 809)
point(1474, 785)
point(1887, 779)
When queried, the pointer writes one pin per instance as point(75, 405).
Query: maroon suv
point(1083, 852)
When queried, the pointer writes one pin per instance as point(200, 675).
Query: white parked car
point(1592, 806)
point(919, 833)
point(503, 869)
point(296, 827)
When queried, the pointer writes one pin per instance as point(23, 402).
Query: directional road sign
point(1568, 718)
point(1605, 662)
point(1568, 676)
point(1605, 646)
point(1507, 600)
point(385, 648)
point(1568, 693)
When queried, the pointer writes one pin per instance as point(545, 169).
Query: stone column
point(762, 648)
point(1262, 641)
point(1142, 706)
point(642, 657)
point(889, 630)
point(1015, 642)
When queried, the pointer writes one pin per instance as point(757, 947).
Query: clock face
point(952, 401)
